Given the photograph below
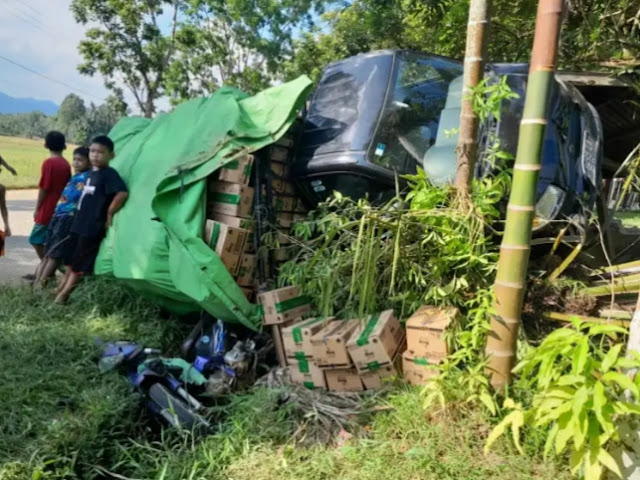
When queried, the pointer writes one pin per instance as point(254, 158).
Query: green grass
point(629, 219)
point(26, 156)
point(61, 419)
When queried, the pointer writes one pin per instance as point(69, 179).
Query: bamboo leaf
point(565, 431)
point(580, 356)
point(517, 423)
point(576, 460)
point(497, 432)
point(488, 402)
point(550, 439)
point(607, 460)
point(608, 330)
point(611, 357)
point(621, 380)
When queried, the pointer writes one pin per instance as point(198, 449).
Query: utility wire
point(8, 60)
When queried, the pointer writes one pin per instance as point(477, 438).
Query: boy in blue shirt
point(59, 231)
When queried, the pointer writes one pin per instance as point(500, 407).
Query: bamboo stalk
point(619, 288)
point(618, 280)
point(615, 313)
point(567, 317)
point(515, 248)
point(474, 58)
point(567, 261)
point(629, 267)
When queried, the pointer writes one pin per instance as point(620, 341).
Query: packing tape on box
point(363, 339)
point(215, 234)
point(373, 366)
point(292, 303)
point(232, 165)
point(309, 385)
point(299, 356)
point(420, 361)
point(303, 365)
point(228, 198)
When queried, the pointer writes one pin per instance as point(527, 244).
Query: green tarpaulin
point(155, 243)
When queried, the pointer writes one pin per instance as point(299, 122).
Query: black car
point(386, 113)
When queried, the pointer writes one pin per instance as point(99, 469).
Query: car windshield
point(409, 124)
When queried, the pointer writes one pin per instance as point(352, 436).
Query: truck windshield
point(409, 124)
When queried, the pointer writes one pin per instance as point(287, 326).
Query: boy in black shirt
point(103, 195)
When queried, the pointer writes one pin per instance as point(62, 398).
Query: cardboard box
point(299, 206)
point(283, 305)
point(228, 242)
point(286, 142)
point(344, 380)
point(248, 292)
point(374, 379)
point(425, 328)
point(330, 344)
point(284, 237)
point(297, 337)
point(418, 370)
point(231, 199)
point(305, 372)
point(284, 219)
point(283, 204)
point(238, 222)
point(375, 341)
point(281, 255)
point(237, 170)
point(247, 270)
point(279, 154)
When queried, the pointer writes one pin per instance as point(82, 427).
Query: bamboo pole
point(474, 58)
point(567, 317)
point(515, 248)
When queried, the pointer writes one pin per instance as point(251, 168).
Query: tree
point(239, 43)
point(103, 117)
point(128, 46)
point(71, 118)
point(516, 242)
point(475, 53)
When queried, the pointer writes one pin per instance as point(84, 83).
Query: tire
point(174, 410)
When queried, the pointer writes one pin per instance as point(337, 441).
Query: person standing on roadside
point(54, 176)
point(3, 198)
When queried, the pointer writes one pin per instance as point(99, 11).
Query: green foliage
point(596, 34)
point(125, 45)
point(74, 119)
point(238, 43)
point(358, 258)
point(580, 394)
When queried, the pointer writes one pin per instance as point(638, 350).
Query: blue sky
point(43, 36)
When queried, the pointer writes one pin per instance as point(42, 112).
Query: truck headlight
point(549, 206)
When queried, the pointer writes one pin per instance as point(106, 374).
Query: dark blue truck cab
point(383, 114)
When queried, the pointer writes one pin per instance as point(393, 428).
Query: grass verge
point(63, 420)
point(26, 156)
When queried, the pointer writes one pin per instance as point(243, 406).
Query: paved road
point(20, 258)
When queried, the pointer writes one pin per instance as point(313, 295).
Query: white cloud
point(43, 36)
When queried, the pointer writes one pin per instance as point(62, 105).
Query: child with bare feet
point(104, 194)
point(59, 231)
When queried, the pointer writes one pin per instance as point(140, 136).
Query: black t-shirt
point(97, 194)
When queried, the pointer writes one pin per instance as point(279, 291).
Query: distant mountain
point(25, 105)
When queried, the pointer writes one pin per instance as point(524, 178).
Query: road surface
point(20, 258)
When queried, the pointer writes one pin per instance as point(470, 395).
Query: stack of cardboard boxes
point(426, 345)
point(344, 356)
point(229, 222)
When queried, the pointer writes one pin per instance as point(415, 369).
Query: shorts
point(38, 235)
point(82, 253)
point(59, 237)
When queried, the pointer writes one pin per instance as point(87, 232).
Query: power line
point(48, 78)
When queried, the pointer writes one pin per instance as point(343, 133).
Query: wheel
point(174, 410)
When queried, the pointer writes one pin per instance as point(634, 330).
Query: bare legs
point(67, 286)
point(3, 210)
point(46, 270)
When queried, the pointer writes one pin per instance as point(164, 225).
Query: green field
point(26, 156)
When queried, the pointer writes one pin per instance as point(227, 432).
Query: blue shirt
point(71, 194)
